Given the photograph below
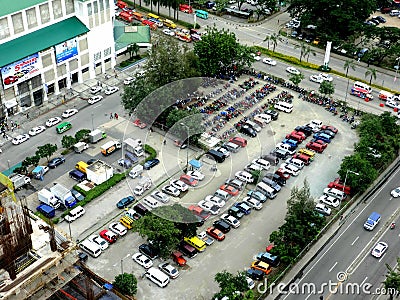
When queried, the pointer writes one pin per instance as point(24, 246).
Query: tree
point(30, 161)
point(392, 280)
point(296, 78)
point(68, 141)
point(82, 134)
point(326, 88)
point(133, 50)
point(372, 73)
point(309, 50)
point(161, 232)
point(230, 285)
point(46, 151)
point(275, 38)
point(126, 284)
point(349, 63)
point(303, 48)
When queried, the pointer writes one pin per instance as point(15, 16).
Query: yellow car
point(307, 152)
point(262, 266)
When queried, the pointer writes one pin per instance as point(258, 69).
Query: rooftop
point(8, 7)
point(125, 35)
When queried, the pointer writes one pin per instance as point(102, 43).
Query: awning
point(11, 103)
point(40, 40)
point(195, 163)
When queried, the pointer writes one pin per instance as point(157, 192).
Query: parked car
point(118, 228)
point(151, 163)
point(196, 175)
point(170, 190)
point(209, 207)
point(69, 113)
point(148, 250)
point(222, 225)
point(109, 236)
point(231, 220)
point(99, 241)
point(253, 203)
point(189, 180)
point(124, 202)
point(215, 233)
point(229, 189)
point(205, 238)
point(215, 200)
point(323, 209)
point(328, 200)
point(168, 269)
point(257, 195)
point(178, 258)
point(95, 99)
point(142, 260)
point(273, 113)
point(160, 196)
point(53, 163)
point(78, 196)
point(178, 184)
point(111, 90)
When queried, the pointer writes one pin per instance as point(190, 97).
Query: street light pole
point(122, 265)
point(8, 163)
point(187, 150)
point(92, 121)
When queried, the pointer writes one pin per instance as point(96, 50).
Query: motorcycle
point(393, 225)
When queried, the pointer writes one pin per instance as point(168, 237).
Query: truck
point(110, 147)
point(134, 146)
point(96, 135)
point(79, 147)
point(99, 172)
point(144, 184)
point(46, 210)
point(48, 198)
point(63, 195)
point(126, 16)
point(136, 171)
point(19, 181)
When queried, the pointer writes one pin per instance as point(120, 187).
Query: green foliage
point(65, 152)
point(392, 280)
point(81, 135)
point(133, 49)
point(371, 72)
point(46, 151)
point(257, 175)
point(126, 284)
point(232, 286)
point(326, 88)
point(135, 92)
point(56, 220)
point(190, 118)
point(150, 151)
point(31, 161)
point(296, 78)
point(68, 141)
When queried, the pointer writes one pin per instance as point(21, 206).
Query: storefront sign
point(66, 50)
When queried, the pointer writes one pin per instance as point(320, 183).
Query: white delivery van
point(136, 171)
point(266, 190)
point(158, 277)
point(91, 248)
point(75, 213)
point(284, 106)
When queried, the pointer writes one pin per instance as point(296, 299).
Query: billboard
point(66, 50)
point(21, 70)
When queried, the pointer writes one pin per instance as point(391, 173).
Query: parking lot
point(237, 251)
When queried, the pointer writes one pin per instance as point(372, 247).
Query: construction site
point(39, 262)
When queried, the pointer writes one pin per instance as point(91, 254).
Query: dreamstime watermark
point(341, 286)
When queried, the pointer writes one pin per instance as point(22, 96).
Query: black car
point(307, 130)
point(380, 19)
point(255, 274)
point(272, 158)
point(247, 130)
point(235, 212)
point(273, 113)
point(276, 178)
point(148, 250)
point(280, 153)
point(56, 162)
point(222, 225)
point(151, 163)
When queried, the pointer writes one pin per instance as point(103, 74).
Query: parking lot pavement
point(242, 244)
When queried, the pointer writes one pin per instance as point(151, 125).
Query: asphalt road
point(346, 260)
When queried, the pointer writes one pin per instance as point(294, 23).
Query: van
point(216, 155)
point(272, 184)
point(271, 158)
point(284, 106)
point(81, 166)
point(255, 126)
point(222, 194)
point(266, 190)
point(199, 244)
point(232, 147)
point(296, 162)
point(188, 250)
point(372, 221)
point(141, 209)
point(362, 87)
point(77, 175)
point(136, 171)
point(236, 183)
point(46, 210)
point(126, 221)
point(157, 276)
point(91, 248)
point(75, 213)
point(338, 194)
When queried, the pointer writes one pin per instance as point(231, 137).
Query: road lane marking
point(355, 240)
point(390, 198)
point(330, 270)
point(382, 257)
point(98, 105)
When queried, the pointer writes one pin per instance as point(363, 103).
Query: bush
point(65, 152)
point(151, 151)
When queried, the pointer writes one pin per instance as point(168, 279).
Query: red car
point(322, 143)
point(304, 158)
point(229, 189)
point(294, 136)
point(139, 124)
point(338, 184)
point(315, 147)
point(239, 141)
point(198, 211)
point(269, 248)
point(282, 174)
point(189, 180)
point(109, 236)
point(215, 233)
point(329, 127)
point(178, 258)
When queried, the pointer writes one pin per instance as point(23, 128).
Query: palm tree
point(308, 50)
point(303, 48)
point(392, 280)
point(267, 39)
point(349, 63)
point(274, 38)
point(372, 73)
point(133, 49)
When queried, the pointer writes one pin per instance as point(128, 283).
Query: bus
point(63, 127)
point(138, 16)
point(202, 14)
point(153, 16)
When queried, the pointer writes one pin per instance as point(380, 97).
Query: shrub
point(151, 151)
point(65, 151)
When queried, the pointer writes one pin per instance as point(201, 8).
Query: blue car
point(257, 195)
point(151, 163)
point(124, 202)
point(243, 207)
point(292, 143)
point(323, 137)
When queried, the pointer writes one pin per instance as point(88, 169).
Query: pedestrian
point(164, 142)
point(27, 115)
point(278, 21)
point(116, 116)
point(111, 115)
point(151, 130)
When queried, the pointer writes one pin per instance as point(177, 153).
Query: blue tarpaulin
point(195, 164)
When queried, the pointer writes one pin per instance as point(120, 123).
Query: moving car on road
point(111, 90)
point(292, 70)
point(20, 139)
point(69, 113)
point(53, 121)
point(379, 249)
point(36, 130)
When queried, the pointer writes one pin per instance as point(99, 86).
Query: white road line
point(98, 105)
point(308, 297)
point(355, 240)
point(381, 257)
point(330, 270)
point(365, 279)
point(390, 198)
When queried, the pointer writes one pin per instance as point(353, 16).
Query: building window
point(36, 82)
point(44, 13)
point(57, 9)
point(97, 56)
point(46, 60)
point(17, 23)
point(83, 44)
point(23, 87)
point(107, 3)
point(95, 7)
point(4, 30)
point(31, 17)
point(107, 52)
point(101, 5)
point(89, 8)
point(69, 6)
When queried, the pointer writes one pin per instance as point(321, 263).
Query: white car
point(316, 78)
point(36, 130)
point(196, 175)
point(128, 80)
point(379, 249)
point(99, 241)
point(168, 269)
point(170, 190)
point(69, 113)
point(150, 202)
point(264, 117)
point(180, 185)
point(95, 89)
point(392, 104)
point(224, 151)
point(231, 220)
point(255, 56)
point(20, 139)
point(329, 200)
point(53, 121)
point(396, 192)
point(142, 260)
point(252, 167)
point(253, 203)
point(292, 70)
point(326, 77)
point(160, 196)
point(288, 168)
point(118, 228)
point(250, 283)
point(262, 163)
point(323, 209)
point(94, 99)
point(138, 190)
point(111, 90)
point(209, 207)
point(215, 200)
point(244, 176)
point(269, 61)
point(168, 32)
